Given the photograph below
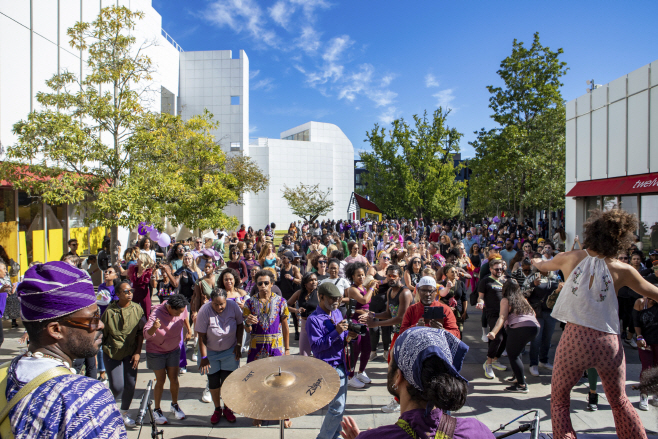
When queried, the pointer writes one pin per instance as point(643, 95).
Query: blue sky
point(358, 63)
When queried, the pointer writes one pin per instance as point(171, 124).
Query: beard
point(394, 283)
point(390, 379)
point(82, 347)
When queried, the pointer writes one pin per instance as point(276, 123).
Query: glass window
point(56, 223)
point(235, 146)
point(8, 224)
point(609, 202)
point(649, 222)
point(592, 203)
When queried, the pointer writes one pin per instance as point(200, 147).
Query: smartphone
point(433, 313)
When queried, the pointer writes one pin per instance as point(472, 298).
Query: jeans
point(99, 360)
point(331, 427)
point(542, 343)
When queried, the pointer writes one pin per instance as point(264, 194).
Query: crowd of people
point(231, 295)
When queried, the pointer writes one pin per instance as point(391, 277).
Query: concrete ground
point(487, 400)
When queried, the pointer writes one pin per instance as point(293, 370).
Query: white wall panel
point(638, 80)
point(90, 10)
point(599, 97)
point(599, 143)
point(571, 151)
point(18, 10)
point(638, 132)
point(654, 73)
point(617, 139)
point(653, 127)
point(583, 147)
point(44, 18)
point(617, 89)
point(44, 66)
point(583, 104)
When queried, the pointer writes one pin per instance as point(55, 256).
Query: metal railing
point(171, 40)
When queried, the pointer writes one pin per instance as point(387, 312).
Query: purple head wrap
point(54, 289)
point(415, 345)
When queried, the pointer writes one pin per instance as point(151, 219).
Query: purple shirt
point(326, 343)
point(466, 428)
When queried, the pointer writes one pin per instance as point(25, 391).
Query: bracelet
point(204, 358)
point(639, 337)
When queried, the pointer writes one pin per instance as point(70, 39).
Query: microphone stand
point(147, 405)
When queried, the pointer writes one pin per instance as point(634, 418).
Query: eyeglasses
point(497, 269)
point(74, 244)
point(260, 284)
point(81, 322)
point(416, 262)
point(128, 290)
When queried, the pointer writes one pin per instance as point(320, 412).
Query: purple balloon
point(154, 235)
point(164, 240)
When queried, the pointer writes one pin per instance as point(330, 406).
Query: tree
point(411, 171)
point(96, 145)
point(512, 151)
point(308, 201)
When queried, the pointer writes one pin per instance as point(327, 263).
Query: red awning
point(364, 203)
point(634, 184)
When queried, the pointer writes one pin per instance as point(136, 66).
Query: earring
point(395, 387)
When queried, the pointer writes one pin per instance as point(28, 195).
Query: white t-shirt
point(151, 253)
point(341, 283)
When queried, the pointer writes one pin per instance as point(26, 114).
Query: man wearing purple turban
point(62, 319)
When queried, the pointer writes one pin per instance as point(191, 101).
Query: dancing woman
point(588, 306)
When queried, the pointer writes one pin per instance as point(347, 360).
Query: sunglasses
point(89, 323)
point(322, 262)
point(496, 269)
point(260, 284)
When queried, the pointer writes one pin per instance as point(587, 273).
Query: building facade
point(612, 152)
point(312, 153)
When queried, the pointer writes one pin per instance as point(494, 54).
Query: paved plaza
point(487, 400)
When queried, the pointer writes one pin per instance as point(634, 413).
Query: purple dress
point(266, 337)
point(466, 428)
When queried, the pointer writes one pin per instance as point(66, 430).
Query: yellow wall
point(55, 244)
point(363, 213)
point(80, 234)
point(38, 246)
point(96, 239)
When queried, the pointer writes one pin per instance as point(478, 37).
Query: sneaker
point(644, 402)
point(175, 409)
point(194, 357)
point(546, 365)
point(160, 418)
point(505, 353)
point(488, 371)
point(373, 355)
point(592, 402)
point(633, 343)
point(216, 417)
point(485, 339)
point(353, 382)
point(654, 401)
point(516, 388)
point(498, 366)
point(391, 407)
point(127, 420)
point(206, 397)
point(228, 414)
point(363, 378)
point(182, 370)
point(106, 383)
point(513, 379)
point(534, 371)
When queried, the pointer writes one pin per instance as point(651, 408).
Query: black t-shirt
point(647, 321)
point(458, 291)
point(493, 294)
point(540, 293)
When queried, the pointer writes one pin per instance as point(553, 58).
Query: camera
point(352, 326)
point(433, 313)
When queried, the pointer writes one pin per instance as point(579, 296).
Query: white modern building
point(612, 152)
point(34, 46)
point(312, 153)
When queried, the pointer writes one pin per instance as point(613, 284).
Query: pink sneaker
point(216, 417)
point(228, 414)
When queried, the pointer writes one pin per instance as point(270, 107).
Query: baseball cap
point(329, 289)
point(653, 253)
point(289, 254)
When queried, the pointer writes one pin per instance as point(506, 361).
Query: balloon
point(140, 228)
point(149, 228)
point(154, 235)
point(496, 219)
point(164, 240)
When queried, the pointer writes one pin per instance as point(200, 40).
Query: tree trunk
point(114, 250)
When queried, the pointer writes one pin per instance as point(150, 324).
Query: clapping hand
point(157, 324)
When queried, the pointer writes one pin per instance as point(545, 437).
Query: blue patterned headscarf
point(417, 344)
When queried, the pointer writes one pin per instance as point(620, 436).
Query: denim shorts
point(221, 360)
point(161, 361)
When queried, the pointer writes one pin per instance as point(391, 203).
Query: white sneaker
point(488, 371)
point(485, 339)
point(206, 397)
point(160, 418)
point(633, 343)
point(182, 370)
point(505, 353)
point(355, 383)
point(391, 407)
point(644, 402)
point(363, 378)
point(106, 383)
point(498, 366)
point(534, 371)
point(127, 420)
point(654, 401)
point(178, 413)
point(194, 357)
point(373, 355)
point(548, 366)
point(385, 354)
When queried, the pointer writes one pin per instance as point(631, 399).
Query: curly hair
point(517, 301)
point(237, 282)
point(352, 268)
point(609, 232)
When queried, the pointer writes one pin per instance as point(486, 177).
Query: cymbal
point(278, 388)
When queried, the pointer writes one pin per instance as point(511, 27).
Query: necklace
point(39, 355)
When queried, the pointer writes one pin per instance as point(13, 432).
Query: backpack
point(6, 406)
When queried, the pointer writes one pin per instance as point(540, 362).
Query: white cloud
point(309, 40)
point(336, 47)
point(281, 12)
point(386, 80)
point(388, 116)
point(431, 81)
point(253, 129)
point(444, 99)
point(265, 84)
point(253, 73)
point(241, 15)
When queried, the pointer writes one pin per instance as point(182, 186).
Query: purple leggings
point(360, 346)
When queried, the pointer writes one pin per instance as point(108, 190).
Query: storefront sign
point(633, 184)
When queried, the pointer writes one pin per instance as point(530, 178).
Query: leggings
point(626, 314)
point(122, 378)
point(295, 322)
point(386, 337)
point(360, 347)
point(581, 348)
point(497, 346)
point(304, 343)
point(592, 378)
point(90, 366)
point(516, 341)
point(648, 357)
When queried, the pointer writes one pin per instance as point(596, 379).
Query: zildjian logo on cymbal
point(314, 387)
